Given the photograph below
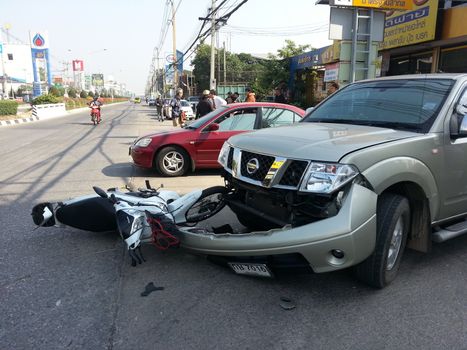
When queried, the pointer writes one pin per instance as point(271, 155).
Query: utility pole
point(174, 48)
point(218, 58)
point(225, 71)
point(212, 82)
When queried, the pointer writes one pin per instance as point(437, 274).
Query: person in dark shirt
point(279, 96)
point(203, 107)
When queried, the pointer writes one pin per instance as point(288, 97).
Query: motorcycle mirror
point(100, 192)
point(113, 199)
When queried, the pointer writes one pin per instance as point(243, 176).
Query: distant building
point(16, 67)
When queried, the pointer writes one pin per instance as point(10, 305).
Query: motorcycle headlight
point(327, 177)
point(144, 142)
point(224, 154)
point(129, 222)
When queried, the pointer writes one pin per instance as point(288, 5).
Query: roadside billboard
point(97, 79)
point(410, 27)
point(39, 42)
point(78, 65)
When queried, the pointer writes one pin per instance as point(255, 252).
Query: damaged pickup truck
point(378, 165)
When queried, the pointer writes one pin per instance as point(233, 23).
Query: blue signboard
point(36, 89)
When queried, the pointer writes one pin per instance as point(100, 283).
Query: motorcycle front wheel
point(211, 201)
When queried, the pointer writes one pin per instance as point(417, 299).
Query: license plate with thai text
point(251, 269)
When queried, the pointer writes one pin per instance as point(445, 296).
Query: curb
point(36, 118)
point(18, 121)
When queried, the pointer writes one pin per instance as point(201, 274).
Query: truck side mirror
point(463, 126)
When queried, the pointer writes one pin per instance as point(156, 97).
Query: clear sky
point(129, 30)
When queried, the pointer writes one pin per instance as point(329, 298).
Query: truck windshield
point(410, 104)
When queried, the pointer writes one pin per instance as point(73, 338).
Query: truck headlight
point(224, 154)
point(327, 177)
point(144, 142)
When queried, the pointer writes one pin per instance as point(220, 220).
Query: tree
point(263, 75)
point(90, 94)
point(291, 49)
point(83, 94)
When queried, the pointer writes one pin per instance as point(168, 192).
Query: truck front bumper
point(352, 231)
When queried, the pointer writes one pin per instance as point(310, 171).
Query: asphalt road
point(61, 288)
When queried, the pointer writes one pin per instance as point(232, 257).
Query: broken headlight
point(224, 154)
point(327, 177)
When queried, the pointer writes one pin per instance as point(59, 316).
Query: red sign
point(78, 66)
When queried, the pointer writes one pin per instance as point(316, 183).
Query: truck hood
point(316, 141)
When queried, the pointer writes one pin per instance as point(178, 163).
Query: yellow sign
point(384, 4)
point(403, 28)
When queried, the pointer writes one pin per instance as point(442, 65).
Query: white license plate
point(251, 269)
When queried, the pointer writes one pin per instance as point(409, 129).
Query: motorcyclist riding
point(95, 105)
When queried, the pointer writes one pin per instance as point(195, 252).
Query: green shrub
point(45, 99)
point(83, 94)
point(57, 91)
point(8, 107)
point(72, 93)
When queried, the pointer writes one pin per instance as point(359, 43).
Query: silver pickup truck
point(378, 166)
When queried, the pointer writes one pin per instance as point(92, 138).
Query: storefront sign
point(331, 53)
point(332, 72)
point(410, 27)
point(384, 4)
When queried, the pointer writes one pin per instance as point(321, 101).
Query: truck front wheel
point(393, 222)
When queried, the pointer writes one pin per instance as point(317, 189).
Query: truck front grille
point(264, 163)
point(294, 173)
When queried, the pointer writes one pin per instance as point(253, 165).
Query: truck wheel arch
point(398, 170)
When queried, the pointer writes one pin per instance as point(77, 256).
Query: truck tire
point(393, 223)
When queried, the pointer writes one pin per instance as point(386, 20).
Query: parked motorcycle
point(146, 216)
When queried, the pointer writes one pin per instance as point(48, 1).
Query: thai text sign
point(384, 4)
point(410, 27)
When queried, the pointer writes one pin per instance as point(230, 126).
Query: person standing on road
point(177, 108)
point(229, 98)
point(215, 100)
point(203, 107)
point(160, 117)
point(279, 96)
point(250, 95)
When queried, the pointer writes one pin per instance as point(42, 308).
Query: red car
point(197, 145)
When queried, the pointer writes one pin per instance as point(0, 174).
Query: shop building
point(428, 39)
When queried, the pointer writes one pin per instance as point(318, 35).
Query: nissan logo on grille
point(252, 166)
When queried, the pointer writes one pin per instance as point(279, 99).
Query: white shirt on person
point(218, 101)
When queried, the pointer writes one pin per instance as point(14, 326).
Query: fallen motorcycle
point(143, 216)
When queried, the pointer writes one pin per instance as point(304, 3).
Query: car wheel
point(172, 161)
point(393, 222)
